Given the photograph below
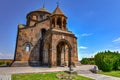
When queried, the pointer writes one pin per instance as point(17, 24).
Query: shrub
point(2, 62)
point(117, 62)
point(7, 63)
point(87, 61)
point(107, 61)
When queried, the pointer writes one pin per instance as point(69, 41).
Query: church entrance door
point(63, 54)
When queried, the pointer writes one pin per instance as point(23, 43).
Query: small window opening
point(27, 48)
point(59, 22)
point(34, 17)
point(47, 16)
point(41, 17)
point(43, 31)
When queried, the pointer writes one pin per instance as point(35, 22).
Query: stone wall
point(32, 37)
point(56, 37)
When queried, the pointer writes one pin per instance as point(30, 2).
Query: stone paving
point(6, 72)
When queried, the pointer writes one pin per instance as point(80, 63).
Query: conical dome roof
point(58, 11)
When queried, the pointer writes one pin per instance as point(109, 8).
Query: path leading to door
point(6, 72)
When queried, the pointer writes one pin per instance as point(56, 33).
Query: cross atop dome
point(58, 11)
point(57, 4)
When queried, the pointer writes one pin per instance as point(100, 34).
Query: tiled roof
point(57, 11)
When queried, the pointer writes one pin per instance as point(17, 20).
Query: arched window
point(53, 22)
point(41, 17)
point(47, 16)
point(43, 31)
point(27, 48)
point(34, 17)
point(64, 24)
point(59, 22)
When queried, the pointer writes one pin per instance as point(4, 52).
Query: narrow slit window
point(27, 48)
point(43, 31)
point(41, 17)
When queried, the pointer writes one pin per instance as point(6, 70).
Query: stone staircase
point(34, 63)
point(20, 64)
point(25, 64)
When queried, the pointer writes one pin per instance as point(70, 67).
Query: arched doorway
point(63, 53)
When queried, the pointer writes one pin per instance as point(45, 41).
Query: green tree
point(107, 60)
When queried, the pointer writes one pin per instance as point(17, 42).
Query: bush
point(8, 63)
point(87, 61)
point(2, 62)
point(107, 61)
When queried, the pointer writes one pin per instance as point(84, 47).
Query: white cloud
point(83, 47)
point(116, 40)
point(85, 34)
point(6, 56)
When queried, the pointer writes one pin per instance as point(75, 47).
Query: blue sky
point(96, 23)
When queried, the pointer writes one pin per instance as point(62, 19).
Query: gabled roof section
point(58, 11)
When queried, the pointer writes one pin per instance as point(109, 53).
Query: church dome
point(43, 10)
point(37, 16)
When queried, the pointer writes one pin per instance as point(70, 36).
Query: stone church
point(45, 40)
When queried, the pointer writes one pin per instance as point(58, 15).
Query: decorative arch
point(63, 53)
point(66, 41)
point(28, 43)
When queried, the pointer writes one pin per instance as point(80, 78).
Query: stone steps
point(34, 64)
point(20, 64)
point(25, 64)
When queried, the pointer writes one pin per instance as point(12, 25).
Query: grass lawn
point(112, 73)
point(43, 76)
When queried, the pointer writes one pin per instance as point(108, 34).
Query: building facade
point(45, 40)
